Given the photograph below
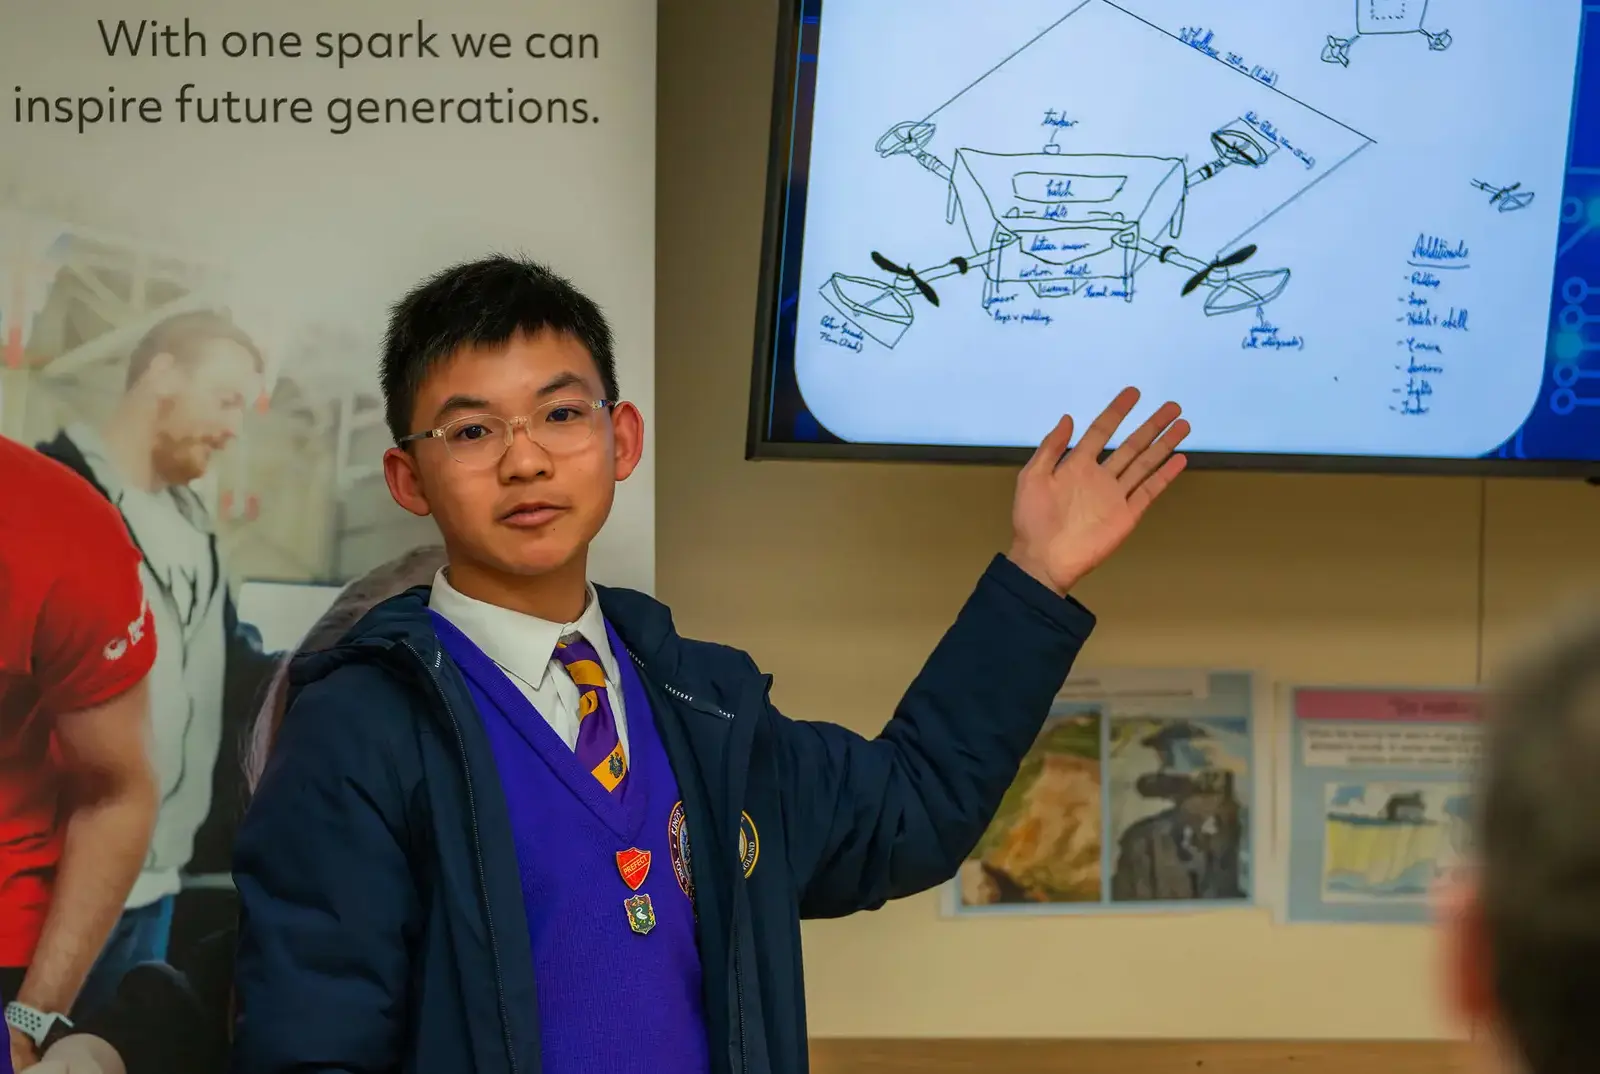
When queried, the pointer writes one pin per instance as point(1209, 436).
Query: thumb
point(1049, 452)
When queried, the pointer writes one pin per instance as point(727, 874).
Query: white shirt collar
point(522, 644)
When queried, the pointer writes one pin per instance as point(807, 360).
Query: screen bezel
point(759, 446)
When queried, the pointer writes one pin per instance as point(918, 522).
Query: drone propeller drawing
point(1238, 257)
point(909, 273)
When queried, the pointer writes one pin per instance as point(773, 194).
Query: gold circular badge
point(749, 844)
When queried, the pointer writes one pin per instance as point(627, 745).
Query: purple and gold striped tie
point(599, 748)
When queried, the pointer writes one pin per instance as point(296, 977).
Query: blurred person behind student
point(77, 787)
point(188, 383)
point(160, 1020)
point(1522, 925)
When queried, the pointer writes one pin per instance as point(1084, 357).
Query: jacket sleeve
point(328, 907)
point(869, 820)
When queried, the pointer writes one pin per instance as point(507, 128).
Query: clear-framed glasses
point(560, 427)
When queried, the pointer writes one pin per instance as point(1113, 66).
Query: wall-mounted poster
point(1140, 794)
point(1379, 800)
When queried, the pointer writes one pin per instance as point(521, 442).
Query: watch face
point(59, 1027)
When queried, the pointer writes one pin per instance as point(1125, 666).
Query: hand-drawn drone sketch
point(1385, 18)
point(1507, 199)
point(1061, 224)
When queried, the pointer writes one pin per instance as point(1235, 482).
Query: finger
point(1152, 457)
point(1157, 483)
point(1048, 455)
point(1104, 427)
point(1142, 437)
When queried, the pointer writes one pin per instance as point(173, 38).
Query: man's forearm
point(106, 840)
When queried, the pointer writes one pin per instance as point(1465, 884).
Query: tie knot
point(575, 649)
point(582, 663)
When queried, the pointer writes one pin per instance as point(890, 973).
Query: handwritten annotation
point(1427, 319)
point(1202, 39)
point(1267, 130)
point(1264, 335)
point(842, 334)
point(1430, 251)
point(1002, 309)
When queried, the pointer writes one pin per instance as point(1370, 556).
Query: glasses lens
point(565, 425)
point(479, 440)
point(561, 428)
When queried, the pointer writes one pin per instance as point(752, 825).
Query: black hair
point(485, 303)
point(1539, 836)
point(180, 335)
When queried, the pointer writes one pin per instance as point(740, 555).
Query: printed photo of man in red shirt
point(78, 792)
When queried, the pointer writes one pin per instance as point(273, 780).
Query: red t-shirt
point(75, 632)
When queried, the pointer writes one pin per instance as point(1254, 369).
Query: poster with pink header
point(1379, 800)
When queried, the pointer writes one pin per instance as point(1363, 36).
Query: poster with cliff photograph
point(1138, 795)
point(1379, 801)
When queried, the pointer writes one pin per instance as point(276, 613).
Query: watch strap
point(41, 1027)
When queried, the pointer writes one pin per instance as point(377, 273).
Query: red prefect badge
point(634, 865)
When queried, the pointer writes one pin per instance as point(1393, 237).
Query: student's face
point(535, 509)
point(201, 407)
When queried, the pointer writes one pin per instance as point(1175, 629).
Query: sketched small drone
point(1385, 18)
point(1507, 199)
point(1057, 224)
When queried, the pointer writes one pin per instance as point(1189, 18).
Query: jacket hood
point(400, 626)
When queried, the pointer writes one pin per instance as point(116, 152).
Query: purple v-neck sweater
point(609, 998)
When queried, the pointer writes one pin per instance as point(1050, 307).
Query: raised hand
point(1072, 509)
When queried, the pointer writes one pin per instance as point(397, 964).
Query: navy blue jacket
point(382, 927)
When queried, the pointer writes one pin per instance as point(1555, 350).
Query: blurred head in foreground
point(1523, 928)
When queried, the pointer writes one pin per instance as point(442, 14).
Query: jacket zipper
point(738, 988)
point(738, 961)
point(477, 848)
point(703, 706)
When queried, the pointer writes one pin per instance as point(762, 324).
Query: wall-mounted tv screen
point(1353, 235)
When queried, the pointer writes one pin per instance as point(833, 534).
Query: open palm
point(1072, 508)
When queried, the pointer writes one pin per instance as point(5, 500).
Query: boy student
point(1523, 927)
point(516, 823)
point(78, 791)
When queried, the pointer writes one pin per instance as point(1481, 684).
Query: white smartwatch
point(38, 1026)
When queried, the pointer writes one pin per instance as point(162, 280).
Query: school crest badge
point(641, 914)
point(678, 849)
point(749, 844)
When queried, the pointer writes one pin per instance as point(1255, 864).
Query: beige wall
point(839, 578)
